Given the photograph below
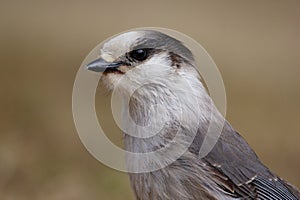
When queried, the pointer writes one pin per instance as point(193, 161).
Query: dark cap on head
point(159, 40)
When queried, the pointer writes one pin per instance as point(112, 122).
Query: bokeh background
point(42, 44)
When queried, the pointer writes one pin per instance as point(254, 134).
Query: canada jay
point(158, 73)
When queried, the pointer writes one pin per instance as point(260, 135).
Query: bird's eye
point(139, 54)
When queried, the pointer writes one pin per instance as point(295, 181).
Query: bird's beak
point(100, 65)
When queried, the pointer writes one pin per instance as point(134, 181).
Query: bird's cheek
point(124, 68)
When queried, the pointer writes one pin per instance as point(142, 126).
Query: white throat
point(156, 109)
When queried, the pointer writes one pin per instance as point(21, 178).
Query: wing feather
point(233, 158)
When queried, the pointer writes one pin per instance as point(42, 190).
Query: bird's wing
point(233, 158)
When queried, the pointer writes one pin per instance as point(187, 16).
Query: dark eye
point(139, 54)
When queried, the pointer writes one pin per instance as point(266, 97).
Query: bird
point(157, 72)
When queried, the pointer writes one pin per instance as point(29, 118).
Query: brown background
point(42, 44)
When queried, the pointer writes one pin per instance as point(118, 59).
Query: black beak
point(101, 65)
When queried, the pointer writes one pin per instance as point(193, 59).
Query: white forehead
point(120, 44)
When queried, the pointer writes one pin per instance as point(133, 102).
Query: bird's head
point(160, 88)
point(143, 56)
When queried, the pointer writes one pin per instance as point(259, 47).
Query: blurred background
point(42, 44)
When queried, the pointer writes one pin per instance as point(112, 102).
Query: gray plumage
point(230, 171)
